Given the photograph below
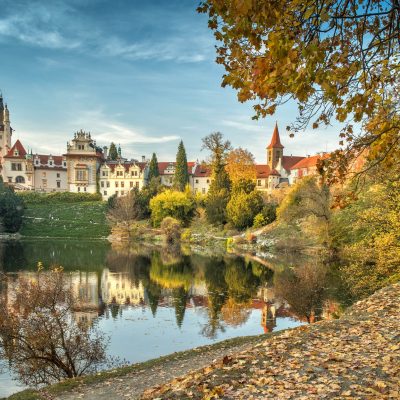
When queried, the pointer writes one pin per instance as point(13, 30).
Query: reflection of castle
point(118, 288)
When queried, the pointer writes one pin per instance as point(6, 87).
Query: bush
point(216, 207)
point(171, 228)
point(179, 205)
point(259, 221)
point(186, 235)
point(11, 210)
point(243, 207)
point(58, 197)
point(269, 213)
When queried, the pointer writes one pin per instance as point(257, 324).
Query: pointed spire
point(276, 140)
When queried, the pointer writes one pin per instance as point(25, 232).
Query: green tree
point(336, 59)
point(219, 192)
point(11, 209)
point(181, 178)
point(153, 167)
point(170, 203)
point(113, 152)
point(244, 204)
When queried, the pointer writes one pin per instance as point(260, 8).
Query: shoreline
point(215, 365)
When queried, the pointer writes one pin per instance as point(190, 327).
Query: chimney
point(143, 158)
point(105, 149)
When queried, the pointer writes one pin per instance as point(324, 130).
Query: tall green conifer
point(153, 167)
point(113, 152)
point(181, 178)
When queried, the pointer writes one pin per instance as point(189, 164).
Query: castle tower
point(274, 149)
point(5, 129)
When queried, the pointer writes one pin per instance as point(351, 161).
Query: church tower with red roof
point(275, 149)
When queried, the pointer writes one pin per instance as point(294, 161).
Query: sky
point(139, 73)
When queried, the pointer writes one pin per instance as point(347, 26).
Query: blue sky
point(139, 73)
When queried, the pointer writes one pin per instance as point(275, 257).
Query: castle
point(85, 167)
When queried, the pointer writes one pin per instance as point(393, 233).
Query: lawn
point(66, 220)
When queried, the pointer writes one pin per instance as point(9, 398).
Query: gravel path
point(356, 357)
point(132, 385)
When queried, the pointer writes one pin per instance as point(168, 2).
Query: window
point(208, 181)
point(203, 190)
point(84, 189)
point(16, 153)
point(102, 184)
point(64, 164)
point(120, 173)
point(16, 167)
point(131, 184)
point(122, 192)
point(81, 175)
point(259, 182)
point(137, 185)
point(81, 147)
point(134, 173)
point(58, 174)
point(36, 162)
point(116, 184)
point(107, 184)
point(58, 184)
point(105, 173)
point(51, 163)
point(122, 184)
point(197, 181)
point(20, 179)
point(105, 192)
point(79, 189)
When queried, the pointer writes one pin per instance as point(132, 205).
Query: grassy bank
point(66, 220)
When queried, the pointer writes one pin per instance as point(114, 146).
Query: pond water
point(152, 302)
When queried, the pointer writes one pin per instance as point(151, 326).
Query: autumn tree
point(40, 336)
point(219, 192)
point(181, 177)
point(153, 167)
point(240, 165)
point(335, 59)
point(113, 152)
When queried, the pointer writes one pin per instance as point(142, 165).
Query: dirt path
point(355, 357)
point(132, 385)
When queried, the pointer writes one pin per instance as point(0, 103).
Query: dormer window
point(37, 161)
point(64, 164)
point(51, 163)
point(16, 153)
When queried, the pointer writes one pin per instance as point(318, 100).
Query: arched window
point(19, 179)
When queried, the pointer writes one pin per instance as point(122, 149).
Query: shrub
point(269, 212)
point(11, 210)
point(58, 197)
point(216, 207)
point(259, 221)
point(186, 235)
point(243, 207)
point(179, 205)
point(171, 228)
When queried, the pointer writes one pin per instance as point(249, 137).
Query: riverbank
point(356, 356)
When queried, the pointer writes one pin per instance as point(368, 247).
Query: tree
point(181, 177)
point(219, 192)
point(153, 168)
point(40, 336)
point(113, 152)
point(11, 209)
point(172, 229)
point(126, 208)
point(240, 165)
point(335, 59)
point(179, 205)
point(244, 204)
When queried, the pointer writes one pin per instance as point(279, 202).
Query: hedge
point(58, 197)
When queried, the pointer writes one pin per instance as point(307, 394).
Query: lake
point(153, 301)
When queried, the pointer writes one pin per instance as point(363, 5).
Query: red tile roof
point(44, 159)
point(289, 161)
point(202, 171)
point(17, 146)
point(264, 171)
point(309, 162)
point(276, 140)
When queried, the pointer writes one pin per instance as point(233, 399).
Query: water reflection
point(132, 292)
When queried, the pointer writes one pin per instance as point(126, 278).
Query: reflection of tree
point(304, 288)
point(235, 314)
point(40, 336)
point(179, 299)
point(153, 294)
point(171, 275)
point(217, 294)
point(242, 284)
